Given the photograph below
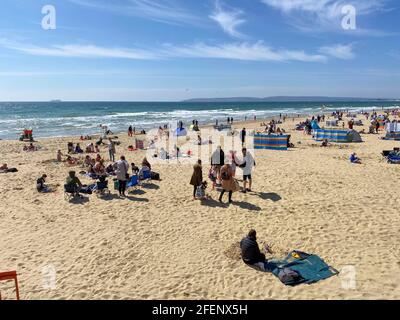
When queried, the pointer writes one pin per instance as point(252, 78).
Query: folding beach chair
point(70, 192)
point(10, 275)
point(102, 188)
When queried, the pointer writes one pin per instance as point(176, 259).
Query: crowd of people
point(222, 174)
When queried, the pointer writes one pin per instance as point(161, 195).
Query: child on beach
point(59, 156)
point(40, 186)
point(355, 159)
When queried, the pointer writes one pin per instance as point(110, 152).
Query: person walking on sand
point(228, 182)
point(218, 160)
point(243, 136)
point(130, 131)
point(197, 177)
point(247, 166)
point(122, 168)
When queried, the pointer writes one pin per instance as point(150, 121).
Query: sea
point(59, 119)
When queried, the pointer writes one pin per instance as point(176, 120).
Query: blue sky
point(165, 50)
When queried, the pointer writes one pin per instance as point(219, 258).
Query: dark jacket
point(251, 253)
point(197, 176)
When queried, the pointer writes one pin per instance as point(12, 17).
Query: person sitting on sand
point(354, 158)
point(135, 169)
point(40, 186)
point(146, 163)
point(4, 167)
point(59, 156)
point(88, 161)
point(325, 143)
point(78, 148)
point(197, 177)
point(98, 157)
point(96, 149)
point(99, 168)
point(250, 251)
point(90, 148)
point(110, 170)
point(30, 148)
point(73, 181)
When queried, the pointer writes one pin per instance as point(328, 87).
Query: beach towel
point(300, 267)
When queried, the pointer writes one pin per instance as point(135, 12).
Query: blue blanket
point(299, 267)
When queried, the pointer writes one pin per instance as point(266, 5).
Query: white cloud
point(321, 15)
point(339, 51)
point(80, 51)
point(165, 11)
point(231, 51)
point(243, 51)
point(228, 18)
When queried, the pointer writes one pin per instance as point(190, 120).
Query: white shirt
point(248, 158)
point(122, 170)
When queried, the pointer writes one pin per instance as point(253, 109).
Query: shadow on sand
point(112, 197)
point(78, 200)
point(268, 196)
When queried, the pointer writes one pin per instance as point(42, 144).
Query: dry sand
point(160, 244)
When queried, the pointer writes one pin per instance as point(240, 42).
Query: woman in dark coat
point(197, 177)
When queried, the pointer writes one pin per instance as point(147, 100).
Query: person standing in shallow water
point(197, 177)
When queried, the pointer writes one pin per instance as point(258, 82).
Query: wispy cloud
point(228, 18)
point(165, 11)
point(243, 51)
point(339, 51)
point(80, 51)
point(323, 15)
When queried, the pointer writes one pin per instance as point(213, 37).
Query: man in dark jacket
point(251, 253)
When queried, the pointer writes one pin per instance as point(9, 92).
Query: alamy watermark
point(49, 277)
point(349, 21)
point(49, 21)
point(348, 277)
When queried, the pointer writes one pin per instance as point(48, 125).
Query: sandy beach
point(160, 244)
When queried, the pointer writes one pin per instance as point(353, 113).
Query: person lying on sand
point(4, 166)
point(71, 161)
point(250, 250)
point(355, 159)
